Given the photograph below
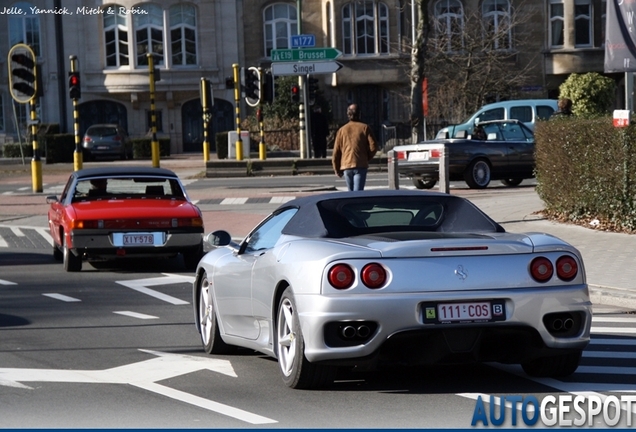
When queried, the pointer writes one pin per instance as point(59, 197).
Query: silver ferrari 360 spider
point(374, 278)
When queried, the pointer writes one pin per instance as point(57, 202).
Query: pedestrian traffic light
point(252, 86)
point(312, 89)
point(295, 93)
point(229, 83)
point(74, 89)
point(23, 73)
point(205, 95)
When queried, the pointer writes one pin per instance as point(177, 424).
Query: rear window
point(102, 131)
point(521, 113)
point(125, 188)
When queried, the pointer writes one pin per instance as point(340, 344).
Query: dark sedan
point(506, 154)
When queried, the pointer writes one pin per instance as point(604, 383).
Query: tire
point(72, 263)
point(58, 255)
point(511, 182)
point(297, 372)
point(555, 366)
point(423, 184)
point(477, 175)
point(191, 258)
point(208, 324)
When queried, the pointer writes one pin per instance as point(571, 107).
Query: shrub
point(591, 94)
point(142, 147)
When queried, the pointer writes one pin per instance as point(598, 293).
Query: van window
point(544, 112)
point(521, 113)
point(493, 114)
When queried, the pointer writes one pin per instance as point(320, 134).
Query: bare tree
point(469, 59)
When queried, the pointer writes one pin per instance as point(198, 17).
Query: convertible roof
point(317, 215)
point(123, 170)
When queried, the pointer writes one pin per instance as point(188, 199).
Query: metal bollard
point(444, 180)
point(394, 178)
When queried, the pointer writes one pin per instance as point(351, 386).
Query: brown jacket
point(354, 147)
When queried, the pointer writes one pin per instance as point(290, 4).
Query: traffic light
point(295, 93)
point(74, 89)
point(229, 83)
point(252, 86)
point(312, 88)
point(205, 94)
point(269, 91)
point(23, 73)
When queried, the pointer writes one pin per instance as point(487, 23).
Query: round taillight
point(566, 268)
point(373, 275)
point(541, 269)
point(341, 276)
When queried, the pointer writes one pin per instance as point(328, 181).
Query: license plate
point(467, 312)
point(138, 239)
point(418, 156)
point(103, 147)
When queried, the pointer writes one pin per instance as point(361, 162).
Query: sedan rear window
point(127, 187)
point(102, 131)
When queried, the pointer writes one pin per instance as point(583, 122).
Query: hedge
point(586, 169)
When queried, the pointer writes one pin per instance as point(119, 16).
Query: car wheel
point(58, 255)
point(297, 372)
point(208, 324)
point(191, 258)
point(72, 263)
point(512, 181)
point(477, 176)
point(423, 184)
point(554, 366)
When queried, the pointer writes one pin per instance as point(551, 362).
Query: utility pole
point(154, 145)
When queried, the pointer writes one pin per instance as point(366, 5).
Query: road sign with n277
point(305, 54)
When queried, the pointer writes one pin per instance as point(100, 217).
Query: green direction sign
point(305, 54)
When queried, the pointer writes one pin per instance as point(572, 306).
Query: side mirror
point(218, 238)
point(51, 199)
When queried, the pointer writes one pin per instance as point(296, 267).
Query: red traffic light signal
point(295, 93)
point(74, 89)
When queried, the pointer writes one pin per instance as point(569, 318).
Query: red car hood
point(133, 209)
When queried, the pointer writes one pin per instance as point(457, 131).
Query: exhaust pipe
point(363, 331)
point(568, 323)
point(348, 332)
point(557, 324)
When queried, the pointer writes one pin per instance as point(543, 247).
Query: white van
point(527, 111)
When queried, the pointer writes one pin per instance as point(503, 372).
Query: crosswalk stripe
point(621, 342)
point(135, 315)
point(227, 201)
point(281, 199)
point(17, 231)
point(3, 243)
point(44, 232)
point(61, 297)
point(621, 330)
point(604, 319)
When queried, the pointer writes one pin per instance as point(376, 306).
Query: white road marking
point(615, 319)
point(6, 282)
point(602, 341)
point(145, 375)
point(17, 232)
point(227, 201)
point(135, 315)
point(3, 243)
point(141, 285)
point(281, 199)
point(621, 330)
point(61, 297)
point(44, 232)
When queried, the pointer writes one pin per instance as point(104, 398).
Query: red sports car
point(109, 213)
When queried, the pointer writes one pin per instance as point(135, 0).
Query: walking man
point(354, 147)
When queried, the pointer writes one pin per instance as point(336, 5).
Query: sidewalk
point(608, 257)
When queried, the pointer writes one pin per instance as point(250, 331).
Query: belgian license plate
point(418, 156)
point(102, 147)
point(466, 312)
point(138, 239)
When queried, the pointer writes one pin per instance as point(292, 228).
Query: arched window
point(365, 28)
point(25, 28)
point(280, 23)
point(449, 25)
point(149, 34)
point(496, 15)
point(115, 36)
point(183, 34)
point(582, 23)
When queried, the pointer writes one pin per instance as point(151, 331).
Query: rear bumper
point(101, 244)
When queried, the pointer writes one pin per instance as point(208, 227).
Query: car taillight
point(341, 276)
point(87, 139)
point(436, 153)
point(541, 269)
point(189, 222)
point(373, 275)
point(117, 138)
point(566, 268)
point(401, 155)
point(85, 224)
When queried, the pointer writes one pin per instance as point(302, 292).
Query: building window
point(280, 23)
point(449, 25)
point(582, 23)
point(603, 23)
point(556, 23)
point(365, 28)
point(183, 35)
point(115, 36)
point(25, 28)
point(496, 14)
point(149, 34)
